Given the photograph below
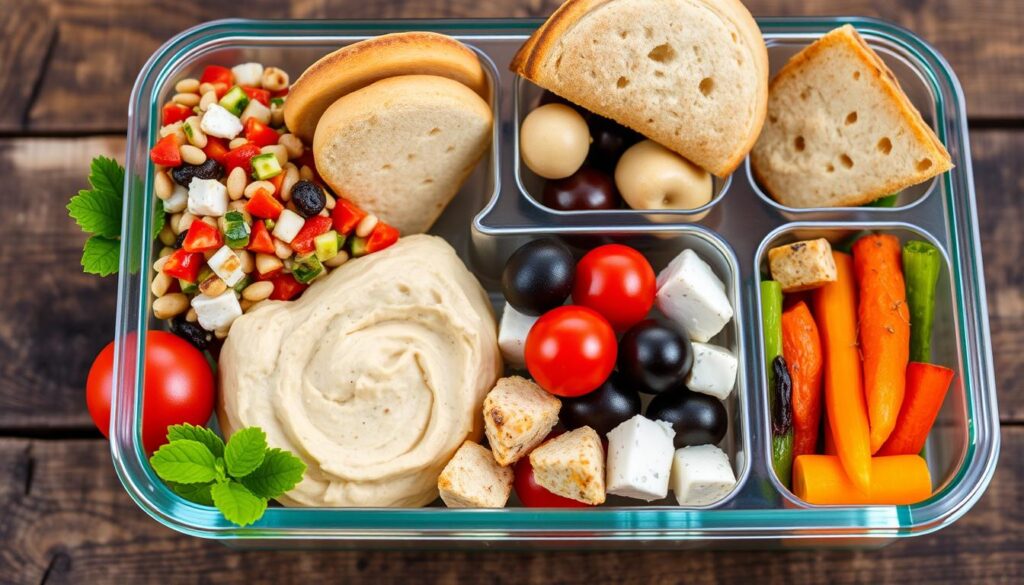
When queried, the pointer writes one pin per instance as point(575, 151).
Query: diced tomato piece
point(165, 152)
point(216, 74)
point(277, 181)
point(381, 237)
point(202, 237)
point(259, 133)
point(184, 265)
point(346, 216)
point(260, 95)
point(314, 226)
point(286, 288)
point(216, 148)
point(279, 93)
point(241, 157)
point(260, 239)
point(265, 206)
point(175, 113)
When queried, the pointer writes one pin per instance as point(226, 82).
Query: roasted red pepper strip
point(202, 237)
point(259, 133)
point(346, 216)
point(382, 236)
point(174, 112)
point(264, 205)
point(260, 95)
point(241, 157)
point(166, 152)
point(184, 265)
point(286, 288)
point(260, 239)
point(314, 226)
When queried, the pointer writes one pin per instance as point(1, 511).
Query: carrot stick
point(895, 480)
point(835, 305)
point(801, 347)
point(884, 330)
point(830, 442)
point(926, 389)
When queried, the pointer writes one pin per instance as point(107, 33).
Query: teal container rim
point(627, 524)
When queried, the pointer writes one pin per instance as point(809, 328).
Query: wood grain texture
point(69, 66)
point(67, 520)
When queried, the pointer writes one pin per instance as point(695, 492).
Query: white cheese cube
point(219, 122)
point(701, 475)
point(512, 333)
point(177, 201)
point(288, 226)
point(713, 371)
point(640, 459)
point(217, 312)
point(227, 265)
point(256, 110)
point(248, 74)
point(207, 197)
point(690, 294)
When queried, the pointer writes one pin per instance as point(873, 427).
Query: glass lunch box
point(497, 210)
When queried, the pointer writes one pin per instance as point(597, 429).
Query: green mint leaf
point(105, 174)
point(97, 212)
point(245, 451)
point(196, 433)
point(279, 473)
point(101, 256)
point(198, 493)
point(159, 219)
point(184, 461)
point(237, 503)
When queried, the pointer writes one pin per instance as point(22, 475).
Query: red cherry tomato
point(532, 495)
point(179, 387)
point(616, 281)
point(571, 350)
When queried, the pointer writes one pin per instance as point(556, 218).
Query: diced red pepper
point(241, 157)
point(286, 288)
point(216, 74)
point(259, 133)
point(184, 265)
point(216, 148)
point(260, 240)
point(165, 152)
point(277, 181)
point(202, 237)
point(279, 92)
point(314, 226)
point(346, 216)
point(382, 236)
point(260, 95)
point(175, 113)
point(264, 205)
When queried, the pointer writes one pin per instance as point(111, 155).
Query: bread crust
point(358, 65)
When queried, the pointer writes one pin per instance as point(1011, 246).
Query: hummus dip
point(374, 377)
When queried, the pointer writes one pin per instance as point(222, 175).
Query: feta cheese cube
point(256, 110)
point(512, 333)
point(227, 265)
point(177, 201)
point(713, 371)
point(249, 74)
point(207, 197)
point(288, 226)
point(217, 312)
point(219, 122)
point(690, 294)
point(701, 475)
point(640, 459)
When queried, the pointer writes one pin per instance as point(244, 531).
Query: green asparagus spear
point(771, 323)
point(921, 265)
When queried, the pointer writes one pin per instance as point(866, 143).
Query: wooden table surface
point(66, 69)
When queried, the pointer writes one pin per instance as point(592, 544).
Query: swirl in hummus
point(374, 377)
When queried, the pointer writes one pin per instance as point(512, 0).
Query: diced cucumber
point(265, 166)
point(306, 267)
point(269, 224)
point(236, 231)
point(241, 284)
point(327, 245)
point(235, 101)
point(278, 101)
point(188, 287)
point(359, 246)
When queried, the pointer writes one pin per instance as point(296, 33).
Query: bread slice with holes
point(691, 75)
point(840, 129)
point(401, 148)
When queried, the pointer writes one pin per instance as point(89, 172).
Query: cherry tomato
point(570, 351)
point(532, 495)
point(616, 281)
point(179, 387)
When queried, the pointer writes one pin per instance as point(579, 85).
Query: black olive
point(192, 333)
point(655, 356)
point(309, 198)
point(610, 405)
point(698, 419)
point(180, 240)
point(184, 174)
point(538, 276)
point(587, 188)
point(610, 140)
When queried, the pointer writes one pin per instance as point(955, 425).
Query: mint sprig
point(238, 478)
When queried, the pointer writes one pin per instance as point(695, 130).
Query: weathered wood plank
point(67, 520)
point(82, 57)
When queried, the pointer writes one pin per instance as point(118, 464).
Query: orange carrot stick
point(884, 330)
point(830, 442)
point(835, 305)
point(895, 480)
point(926, 389)
point(801, 347)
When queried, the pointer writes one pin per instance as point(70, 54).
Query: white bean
point(170, 305)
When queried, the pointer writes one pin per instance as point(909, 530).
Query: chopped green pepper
point(241, 284)
point(236, 231)
point(306, 267)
